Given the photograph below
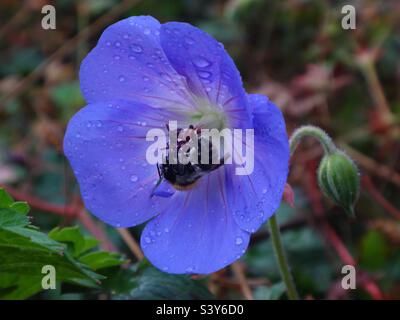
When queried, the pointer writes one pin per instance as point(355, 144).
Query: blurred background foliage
point(296, 52)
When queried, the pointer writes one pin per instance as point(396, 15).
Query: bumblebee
point(184, 176)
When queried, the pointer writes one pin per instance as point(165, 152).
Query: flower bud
point(339, 179)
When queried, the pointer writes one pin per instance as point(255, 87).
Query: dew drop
point(134, 178)
point(120, 128)
point(147, 240)
point(166, 76)
point(238, 241)
point(201, 62)
point(146, 31)
point(189, 40)
point(189, 269)
point(136, 48)
point(121, 78)
point(204, 74)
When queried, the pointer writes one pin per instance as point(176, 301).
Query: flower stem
point(317, 133)
point(282, 260)
point(283, 264)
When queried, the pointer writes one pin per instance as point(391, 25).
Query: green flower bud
point(339, 180)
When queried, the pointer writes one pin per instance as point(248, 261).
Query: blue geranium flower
point(140, 75)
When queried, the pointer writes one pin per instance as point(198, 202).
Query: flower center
point(193, 155)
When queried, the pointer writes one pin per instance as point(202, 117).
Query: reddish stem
point(379, 198)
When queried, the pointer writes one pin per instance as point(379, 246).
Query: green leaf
point(146, 282)
point(273, 292)
point(24, 251)
point(374, 251)
point(21, 207)
point(5, 199)
point(102, 259)
point(71, 236)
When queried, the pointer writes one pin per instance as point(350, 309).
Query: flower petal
point(210, 72)
point(106, 146)
point(197, 234)
point(128, 63)
point(255, 197)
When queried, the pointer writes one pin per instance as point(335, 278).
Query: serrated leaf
point(5, 199)
point(21, 207)
point(149, 283)
point(102, 259)
point(69, 235)
point(24, 251)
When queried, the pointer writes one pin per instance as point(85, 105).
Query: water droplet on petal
point(120, 128)
point(136, 48)
point(201, 62)
point(189, 40)
point(146, 31)
point(204, 74)
point(166, 76)
point(121, 78)
point(147, 240)
point(238, 241)
point(189, 269)
point(134, 178)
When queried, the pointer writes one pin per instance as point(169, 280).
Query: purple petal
point(210, 72)
point(197, 234)
point(255, 197)
point(128, 63)
point(106, 146)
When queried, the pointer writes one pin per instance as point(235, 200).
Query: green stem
point(317, 133)
point(282, 260)
point(283, 264)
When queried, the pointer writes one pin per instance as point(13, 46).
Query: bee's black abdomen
point(183, 175)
